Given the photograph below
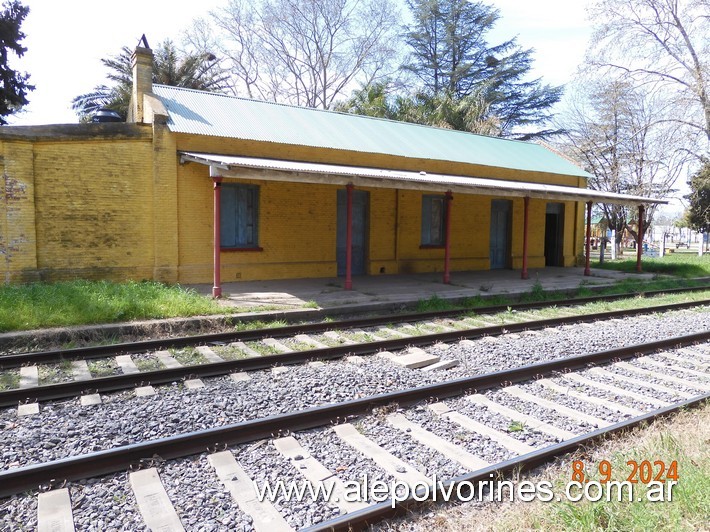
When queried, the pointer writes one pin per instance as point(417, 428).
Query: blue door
point(361, 200)
point(500, 234)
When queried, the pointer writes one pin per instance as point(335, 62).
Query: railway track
point(561, 404)
point(143, 365)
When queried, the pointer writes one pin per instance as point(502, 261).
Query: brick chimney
point(142, 62)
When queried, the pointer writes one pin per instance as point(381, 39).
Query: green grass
point(639, 285)
point(103, 368)
point(678, 265)
point(9, 380)
point(187, 356)
point(433, 304)
point(516, 426)
point(683, 437)
point(37, 305)
point(147, 363)
point(689, 509)
point(259, 324)
point(538, 294)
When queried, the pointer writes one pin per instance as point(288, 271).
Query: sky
point(66, 40)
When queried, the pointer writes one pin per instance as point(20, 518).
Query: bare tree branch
point(663, 40)
point(307, 52)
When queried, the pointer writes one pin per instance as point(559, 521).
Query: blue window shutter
point(437, 221)
point(426, 220)
point(433, 219)
point(239, 216)
point(228, 206)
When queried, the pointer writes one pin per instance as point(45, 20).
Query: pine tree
point(453, 59)
point(14, 87)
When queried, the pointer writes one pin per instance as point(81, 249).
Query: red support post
point(349, 239)
point(524, 273)
point(447, 237)
point(588, 244)
point(639, 243)
point(217, 287)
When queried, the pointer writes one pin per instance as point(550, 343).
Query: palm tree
point(170, 67)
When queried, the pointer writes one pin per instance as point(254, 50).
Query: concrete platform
point(310, 299)
point(388, 290)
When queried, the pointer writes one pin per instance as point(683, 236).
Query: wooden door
point(361, 200)
point(500, 234)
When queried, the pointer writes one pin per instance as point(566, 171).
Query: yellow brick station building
point(199, 187)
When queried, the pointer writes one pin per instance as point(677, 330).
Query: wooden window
point(239, 216)
point(433, 213)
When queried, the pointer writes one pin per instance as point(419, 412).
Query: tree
point(170, 67)
point(663, 42)
point(698, 217)
point(305, 52)
point(452, 59)
point(14, 84)
point(620, 134)
point(372, 100)
point(469, 113)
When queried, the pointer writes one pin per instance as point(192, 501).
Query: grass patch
point(146, 362)
point(683, 438)
point(433, 304)
point(685, 266)
point(230, 353)
point(9, 380)
point(689, 509)
point(263, 349)
point(187, 356)
point(55, 373)
point(103, 368)
point(37, 305)
point(628, 286)
point(258, 324)
point(516, 426)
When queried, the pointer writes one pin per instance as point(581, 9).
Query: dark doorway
point(500, 234)
point(361, 200)
point(554, 234)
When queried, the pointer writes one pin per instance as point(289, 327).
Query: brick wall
point(18, 254)
point(113, 202)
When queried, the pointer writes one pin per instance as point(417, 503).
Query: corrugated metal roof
point(206, 113)
point(230, 166)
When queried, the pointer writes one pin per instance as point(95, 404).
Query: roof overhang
point(233, 167)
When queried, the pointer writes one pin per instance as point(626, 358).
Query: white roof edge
point(390, 178)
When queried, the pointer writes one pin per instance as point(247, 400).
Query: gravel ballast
point(65, 429)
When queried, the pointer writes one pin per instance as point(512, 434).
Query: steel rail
point(215, 369)
point(113, 460)
point(57, 355)
point(360, 519)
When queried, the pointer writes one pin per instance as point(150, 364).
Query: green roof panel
point(205, 113)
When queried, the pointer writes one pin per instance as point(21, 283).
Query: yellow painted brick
point(123, 209)
point(94, 208)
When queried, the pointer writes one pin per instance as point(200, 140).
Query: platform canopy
point(229, 166)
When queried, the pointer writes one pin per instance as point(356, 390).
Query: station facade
point(198, 187)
